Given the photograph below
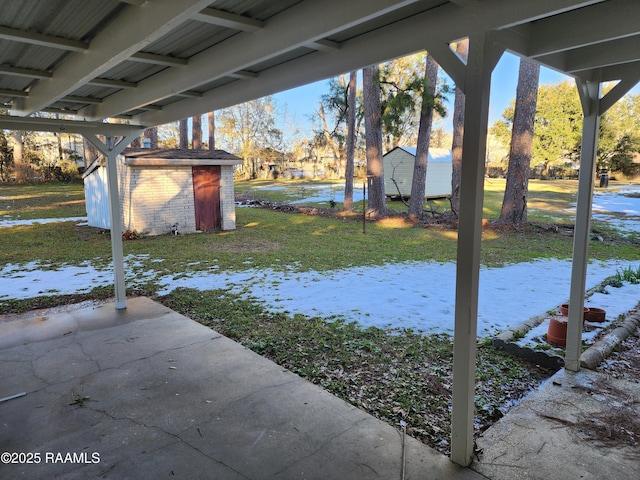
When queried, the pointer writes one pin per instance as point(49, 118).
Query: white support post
point(117, 250)
point(593, 107)
point(111, 150)
point(590, 96)
point(482, 58)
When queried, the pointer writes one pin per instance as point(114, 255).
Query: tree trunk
point(211, 119)
point(351, 143)
point(152, 135)
point(462, 49)
point(514, 203)
point(418, 183)
point(184, 134)
point(373, 140)
point(196, 132)
point(22, 175)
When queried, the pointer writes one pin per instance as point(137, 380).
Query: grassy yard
point(47, 200)
point(397, 375)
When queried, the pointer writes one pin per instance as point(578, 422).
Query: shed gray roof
point(156, 157)
point(174, 153)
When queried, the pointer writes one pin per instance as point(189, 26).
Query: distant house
point(398, 166)
point(164, 190)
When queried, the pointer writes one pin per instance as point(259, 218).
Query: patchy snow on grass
point(15, 223)
point(413, 295)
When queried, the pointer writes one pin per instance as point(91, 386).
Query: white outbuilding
point(166, 190)
point(398, 172)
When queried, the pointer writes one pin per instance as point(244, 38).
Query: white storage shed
point(165, 190)
point(398, 166)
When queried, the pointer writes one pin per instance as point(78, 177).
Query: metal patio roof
point(156, 61)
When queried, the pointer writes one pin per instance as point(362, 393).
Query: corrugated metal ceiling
point(299, 41)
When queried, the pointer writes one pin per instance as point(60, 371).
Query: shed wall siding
point(227, 198)
point(438, 179)
point(97, 198)
point(157, 198)
point(153, 199)
point(399, 164)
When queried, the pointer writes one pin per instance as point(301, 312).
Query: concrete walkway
point(571, 428)
point(146, 393)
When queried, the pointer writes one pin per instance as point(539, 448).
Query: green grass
point(270, 239)
point(43, 200)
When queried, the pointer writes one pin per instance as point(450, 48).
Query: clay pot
point(557, 333)
point(564, 310)
point(595, 315)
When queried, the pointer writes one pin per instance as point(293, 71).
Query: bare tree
point(184, 134)
point(514, 203)
point(418, 184)
point(329, 139)
point(373, 139)
point(211, 119)
point(90, 152)
point(462, 50)
point(351, 143)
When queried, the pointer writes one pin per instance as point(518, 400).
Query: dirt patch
point(624, 362)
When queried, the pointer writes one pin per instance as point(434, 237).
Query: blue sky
point(303, 101)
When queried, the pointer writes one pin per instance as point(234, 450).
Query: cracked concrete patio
point(146, 393)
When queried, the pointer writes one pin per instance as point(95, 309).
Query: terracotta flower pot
point(564, 310)
point(595, 315)
point(557, 333)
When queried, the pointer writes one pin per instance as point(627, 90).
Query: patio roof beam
point(584, 27)
point(154, 59)
point(25, 72)
point(108, 82)
point(43, 40)
point(399, 38)
point(228, 20)
point(136, 28)
point(283, 33)
point(39, 124)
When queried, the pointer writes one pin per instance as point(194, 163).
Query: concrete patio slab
point(146, 393)
point(566, 430)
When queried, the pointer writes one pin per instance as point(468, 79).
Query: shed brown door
point(206, 193)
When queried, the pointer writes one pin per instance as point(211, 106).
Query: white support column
point(593, 107)
point(111, 150)
point(590, 96)
point(482, 58)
